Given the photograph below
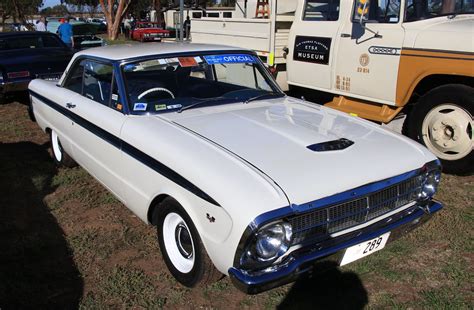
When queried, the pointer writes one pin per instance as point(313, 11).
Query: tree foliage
point(57, 10)
point(19, 9)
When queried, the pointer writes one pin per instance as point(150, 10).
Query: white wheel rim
point(171, 224)
point(57, 152)
point(447, 132)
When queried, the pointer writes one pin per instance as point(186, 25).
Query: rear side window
point(321, 10)
point(20, 42)
point(51, 41)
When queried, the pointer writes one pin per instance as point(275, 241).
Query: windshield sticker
point(187, 62)
point(171, 60)
point(160, 107)
point(114, 97)
point(174, 106)
point(129, 68)
point(229, 59)
point(198, 59)
point(140, 106)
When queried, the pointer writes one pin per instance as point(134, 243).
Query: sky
point(47, 3)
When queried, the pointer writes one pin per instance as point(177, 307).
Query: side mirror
point(361, 11)
point(361, 14)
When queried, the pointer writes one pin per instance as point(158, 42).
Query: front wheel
point(181, 246)
point(443, 121)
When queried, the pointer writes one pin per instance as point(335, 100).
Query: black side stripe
point(128, 149)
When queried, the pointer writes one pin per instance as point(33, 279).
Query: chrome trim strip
point(372, 221)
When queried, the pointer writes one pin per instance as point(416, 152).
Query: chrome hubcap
point(183, 241)
point(447, 132)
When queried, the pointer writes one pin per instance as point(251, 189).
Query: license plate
point(363, 249)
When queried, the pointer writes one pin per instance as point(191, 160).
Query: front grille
point(328, 220)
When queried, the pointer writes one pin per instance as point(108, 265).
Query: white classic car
point(239, 179)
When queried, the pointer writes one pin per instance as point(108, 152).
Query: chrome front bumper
point(303, 261)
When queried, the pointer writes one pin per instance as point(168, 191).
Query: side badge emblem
point(210, 218)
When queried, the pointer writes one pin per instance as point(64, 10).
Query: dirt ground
point(67, 243)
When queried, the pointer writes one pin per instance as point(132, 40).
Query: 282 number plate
point(363, 249)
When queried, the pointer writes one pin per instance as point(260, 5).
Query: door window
point(97, 81)
point(94, 81)
point(327, 10)
point(74, 78)
point(380, 11)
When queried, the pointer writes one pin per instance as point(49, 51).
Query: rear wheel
point(181, 246)
point(443, 121)
point(61, 158)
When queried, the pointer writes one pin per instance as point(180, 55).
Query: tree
point(57, 10)
point(114, 11)
point(19, 9)
point(83, 5)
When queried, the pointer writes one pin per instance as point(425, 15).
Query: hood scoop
point(335, 145)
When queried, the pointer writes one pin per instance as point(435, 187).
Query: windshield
point(175, 84)
point(147, 25)
point(423, 9)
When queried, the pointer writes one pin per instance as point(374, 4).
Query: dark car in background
point(27, 55)
point(85, 35)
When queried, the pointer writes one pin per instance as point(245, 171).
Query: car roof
point(129, 51)
point(24, 33)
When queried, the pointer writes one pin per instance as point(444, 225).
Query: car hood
point(85, 29)
point(274, 136)
point(447, 33)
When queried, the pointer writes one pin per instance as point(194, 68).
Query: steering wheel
point(155, 89)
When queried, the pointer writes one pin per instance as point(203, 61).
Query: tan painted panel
point(416, 64)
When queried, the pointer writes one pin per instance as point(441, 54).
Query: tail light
point(19, 74)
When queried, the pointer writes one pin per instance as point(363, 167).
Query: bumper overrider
point(319, 251)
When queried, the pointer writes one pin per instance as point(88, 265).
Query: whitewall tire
point(181, 246)
point(60, 156)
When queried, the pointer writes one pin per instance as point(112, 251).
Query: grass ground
point(67, 243)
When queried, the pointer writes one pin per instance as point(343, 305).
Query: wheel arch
point(153, 205)
point(433, 81)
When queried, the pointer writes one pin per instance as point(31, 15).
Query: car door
point(312, 43)
point(97, 124)
point(368, 58)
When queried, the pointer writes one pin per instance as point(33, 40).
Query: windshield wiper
point(199, 103)
point(262, 96)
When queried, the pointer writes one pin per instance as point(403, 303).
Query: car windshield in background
point(418, 10)
point(147, 25)
point(180, 83)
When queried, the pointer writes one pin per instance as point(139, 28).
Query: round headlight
point(273, 241)
point(430, 184)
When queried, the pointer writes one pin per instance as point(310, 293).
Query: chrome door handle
point(70, 105)
point(345, 35)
